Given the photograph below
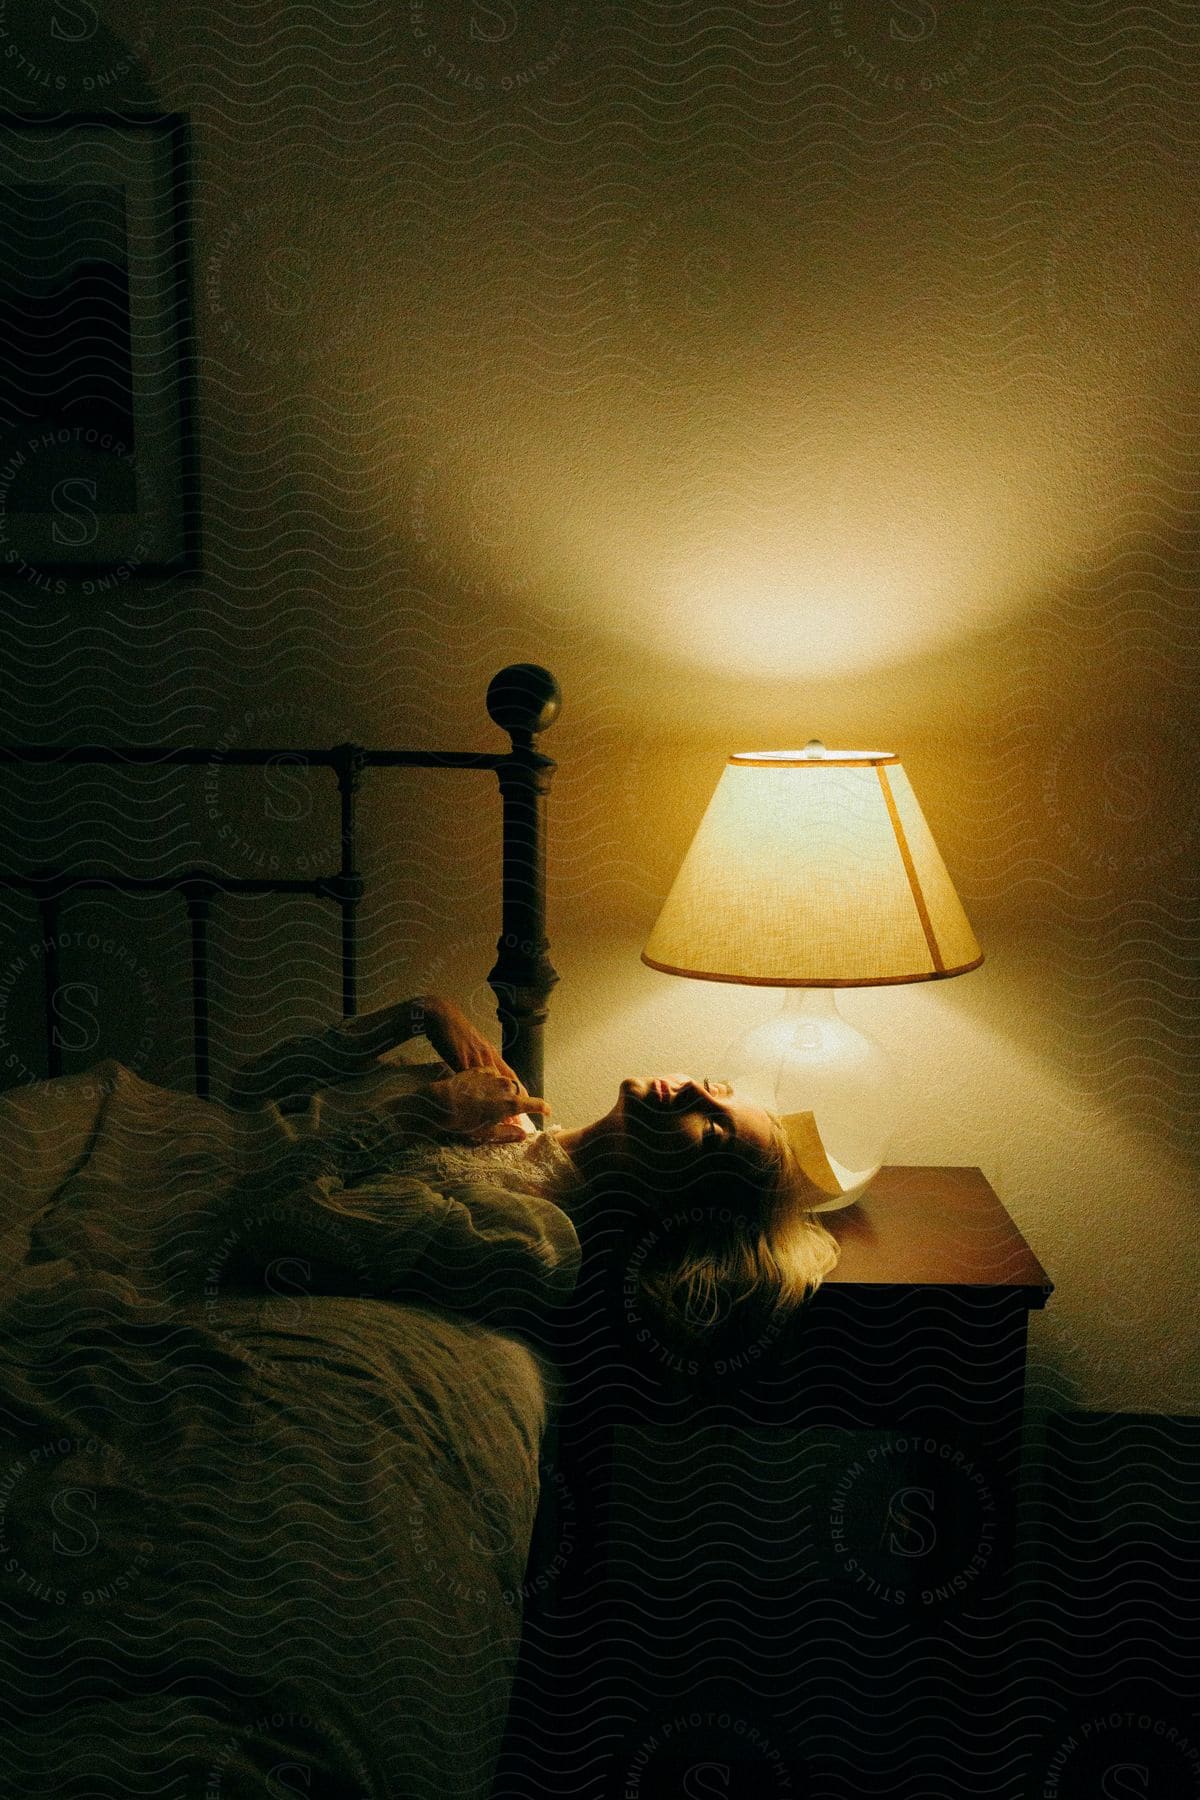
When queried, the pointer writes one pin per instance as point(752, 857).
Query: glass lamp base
point(835, 1087)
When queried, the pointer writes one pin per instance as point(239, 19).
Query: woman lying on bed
point(728, 1245)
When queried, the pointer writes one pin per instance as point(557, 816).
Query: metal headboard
point(522, 699)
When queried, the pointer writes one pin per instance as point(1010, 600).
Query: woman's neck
point(570, 1140)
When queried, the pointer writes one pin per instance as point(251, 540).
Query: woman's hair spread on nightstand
point(734, 1255)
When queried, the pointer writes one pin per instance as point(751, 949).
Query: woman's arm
point(444, 1024)
point(474, 1106)
point(291, 1072)
point(338, 1076)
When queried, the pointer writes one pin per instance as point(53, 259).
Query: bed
point(269, 1447)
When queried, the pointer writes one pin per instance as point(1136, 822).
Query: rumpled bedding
point(268, 1456)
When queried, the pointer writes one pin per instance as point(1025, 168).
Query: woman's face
point(672, 1123)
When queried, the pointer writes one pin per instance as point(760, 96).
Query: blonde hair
point(744, 1263)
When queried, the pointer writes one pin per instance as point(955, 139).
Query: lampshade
point(813, 868)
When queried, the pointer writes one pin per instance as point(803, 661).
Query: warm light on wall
point(761, 547)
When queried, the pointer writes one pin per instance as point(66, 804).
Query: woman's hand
point(481, 1105)
point(360, 1042)
point(457, 1041)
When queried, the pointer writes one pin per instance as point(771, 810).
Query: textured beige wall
point(766, 371)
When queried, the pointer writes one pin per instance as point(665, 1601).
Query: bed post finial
point(523, 700)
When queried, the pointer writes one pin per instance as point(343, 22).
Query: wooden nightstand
point(945, 1226)
point(840, 1497)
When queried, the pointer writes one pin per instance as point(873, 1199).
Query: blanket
point(269, 1456)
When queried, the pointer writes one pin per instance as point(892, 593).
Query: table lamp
point(814, 870)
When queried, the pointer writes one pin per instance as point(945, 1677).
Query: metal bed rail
point(522, 699)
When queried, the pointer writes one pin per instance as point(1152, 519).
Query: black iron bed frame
point(523, 699)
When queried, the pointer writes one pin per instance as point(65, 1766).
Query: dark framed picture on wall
point(98, 477)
